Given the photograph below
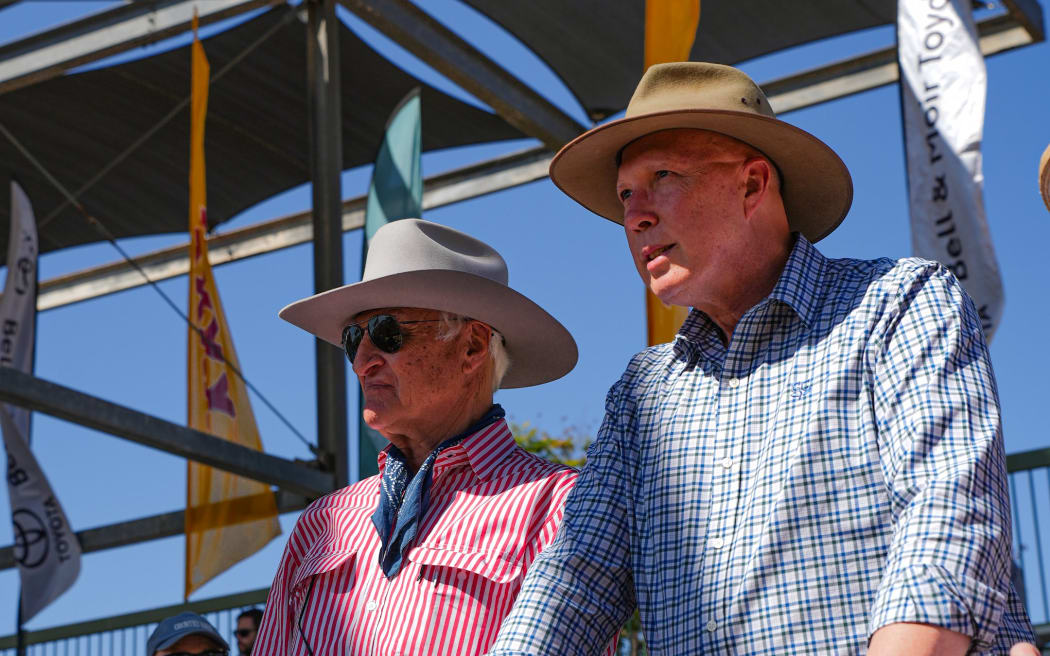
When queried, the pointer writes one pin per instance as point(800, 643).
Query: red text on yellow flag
point(228, 517)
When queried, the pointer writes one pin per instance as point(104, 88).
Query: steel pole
point(326, 163)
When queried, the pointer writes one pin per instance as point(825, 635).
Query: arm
point(927, 640)
point(917, 640)
point(579, 591)
point(936, 411)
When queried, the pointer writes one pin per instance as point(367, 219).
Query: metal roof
point(613, 41)
point(256, 135)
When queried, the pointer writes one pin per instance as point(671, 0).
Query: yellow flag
point(670, 28)
point(664, 319)
point(228, 517)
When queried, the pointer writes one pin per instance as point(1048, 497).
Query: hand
point(1024, 649)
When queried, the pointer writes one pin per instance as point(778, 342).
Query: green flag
point(396, 192)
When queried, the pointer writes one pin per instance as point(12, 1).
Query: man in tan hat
point(427, 557)
point(815, 465)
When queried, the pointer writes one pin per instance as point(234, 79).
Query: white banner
point(943, 83)
point(46, 549)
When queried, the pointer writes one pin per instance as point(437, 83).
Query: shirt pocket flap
point(494, 568)
point(320, 563)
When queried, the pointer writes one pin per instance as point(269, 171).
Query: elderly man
point(815, 465)
point(427, 557)
point(184, 634)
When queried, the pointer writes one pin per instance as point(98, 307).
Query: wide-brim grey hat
point(419, 264)
point(816, 186)
point(175, 628)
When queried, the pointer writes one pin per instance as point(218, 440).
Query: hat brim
point(1044, 177)
point(179, 635)
point(816, 186)
point(539, 347)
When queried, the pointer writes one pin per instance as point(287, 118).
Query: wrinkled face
point(245, 633)
point(191, 644)
point(405, 391)
point(682, 193)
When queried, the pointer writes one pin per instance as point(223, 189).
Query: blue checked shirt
point(839, 467)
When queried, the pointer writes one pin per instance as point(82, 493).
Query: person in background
point(184, 634)
point(247, 627)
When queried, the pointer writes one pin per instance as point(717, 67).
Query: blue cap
point(173, 629)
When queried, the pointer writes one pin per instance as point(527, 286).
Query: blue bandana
point(402, 502)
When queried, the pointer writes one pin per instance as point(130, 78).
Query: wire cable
point(135, 145)
point(108, 236)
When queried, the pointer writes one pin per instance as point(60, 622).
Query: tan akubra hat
point(817, 189)
point(419, 264)
point(1044, 176)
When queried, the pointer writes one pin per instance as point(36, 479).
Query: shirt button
point(712, 625)
point(734, 382)
point(371, 606)
point(717, 543)
point(727, 463)
point(461, 576)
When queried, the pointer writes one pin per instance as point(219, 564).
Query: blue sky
point(130, 347)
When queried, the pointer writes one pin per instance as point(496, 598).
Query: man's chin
point(669, 294)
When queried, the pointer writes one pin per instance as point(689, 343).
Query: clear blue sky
point(130, 348)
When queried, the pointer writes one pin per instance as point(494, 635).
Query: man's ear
point(477, 346)
point(758, 178)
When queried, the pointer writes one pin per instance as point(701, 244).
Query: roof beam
point(70, 405)
point(53, 52)
point(997, 34)
point(1029, 15)
point(445, 189)
point(145, 529)
point(426, 38)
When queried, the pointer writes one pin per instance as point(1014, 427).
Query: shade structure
point(596, 46)
point(257, 136)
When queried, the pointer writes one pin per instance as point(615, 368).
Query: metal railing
point(126, 635)
point(1029, 474)
point(1029, 478)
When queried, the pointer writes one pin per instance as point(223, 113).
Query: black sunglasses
point(243, 633)
point(383, 329)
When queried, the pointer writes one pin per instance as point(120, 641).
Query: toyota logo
point(31, 543)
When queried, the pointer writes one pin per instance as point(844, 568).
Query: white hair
point(452, 326)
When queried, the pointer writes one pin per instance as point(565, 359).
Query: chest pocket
point(461, 578)
point(465, 588)
point(338, 571)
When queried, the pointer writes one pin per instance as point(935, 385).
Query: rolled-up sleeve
point(941, 450)
point(579, 591)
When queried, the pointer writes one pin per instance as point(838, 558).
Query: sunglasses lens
point(385, 333)
point(351, 340)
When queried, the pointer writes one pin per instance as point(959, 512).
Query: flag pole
point(20, 641)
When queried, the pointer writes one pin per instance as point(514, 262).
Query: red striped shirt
point(493, 507)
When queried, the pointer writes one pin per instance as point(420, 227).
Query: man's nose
point(637, 218)
point(638, 214)
point(368, 358)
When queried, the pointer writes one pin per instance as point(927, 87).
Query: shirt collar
point(799, 287)
point(482, 450)
point(800, 284)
